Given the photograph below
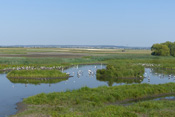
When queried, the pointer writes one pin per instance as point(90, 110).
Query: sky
point(138, 23)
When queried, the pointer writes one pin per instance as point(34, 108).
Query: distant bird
point(89, 71)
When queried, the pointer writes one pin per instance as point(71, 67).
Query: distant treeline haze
point(164, 49)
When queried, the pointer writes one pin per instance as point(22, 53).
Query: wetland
point(132, 77)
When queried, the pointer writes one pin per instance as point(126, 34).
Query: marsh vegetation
point(122, 67)
point(88, 102)
point(36, 74)
point(118, 70)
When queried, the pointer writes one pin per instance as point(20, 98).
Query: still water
point(12, 92)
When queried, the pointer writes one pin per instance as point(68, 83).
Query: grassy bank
point(87, 102)
point(36, 74)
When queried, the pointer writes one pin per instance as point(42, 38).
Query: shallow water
point(13, 92)
point(166, 98)
point(131, 102)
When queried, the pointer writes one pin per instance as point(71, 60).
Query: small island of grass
point(36, 74)
point(115, 70)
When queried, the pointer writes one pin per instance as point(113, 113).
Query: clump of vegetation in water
point(118, 70)
point(99, 101)
point(36, 81)
point(36, 74)
point(164, 49)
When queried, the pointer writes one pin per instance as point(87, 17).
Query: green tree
point(172, 50)
point(156, 49)
point(164, 51)
point(168, 43)
point(160, 50)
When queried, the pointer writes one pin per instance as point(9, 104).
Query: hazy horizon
point(122, 23)
point(75, 45)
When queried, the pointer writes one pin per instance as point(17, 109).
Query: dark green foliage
point(172, 50)
point(160, 50)
point(118, 70)
point(164, 49)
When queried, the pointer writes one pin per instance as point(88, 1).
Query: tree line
point(163, 49)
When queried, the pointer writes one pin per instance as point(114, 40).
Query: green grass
point(13, 51)
point(147, 108)
point(36, 74)
point(101, 94)
point(96, 101)
point(166, 62)
point(118, 70)
point(140, 109)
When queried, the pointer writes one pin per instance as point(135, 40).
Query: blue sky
point(87, 22)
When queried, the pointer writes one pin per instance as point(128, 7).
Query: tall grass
point(91, 102)
point(101, 94)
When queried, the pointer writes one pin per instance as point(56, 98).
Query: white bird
point(89, 71)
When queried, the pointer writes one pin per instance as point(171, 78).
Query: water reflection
point(35, 81)
point(163, 72)
point(157, 76)
point(111, 81)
